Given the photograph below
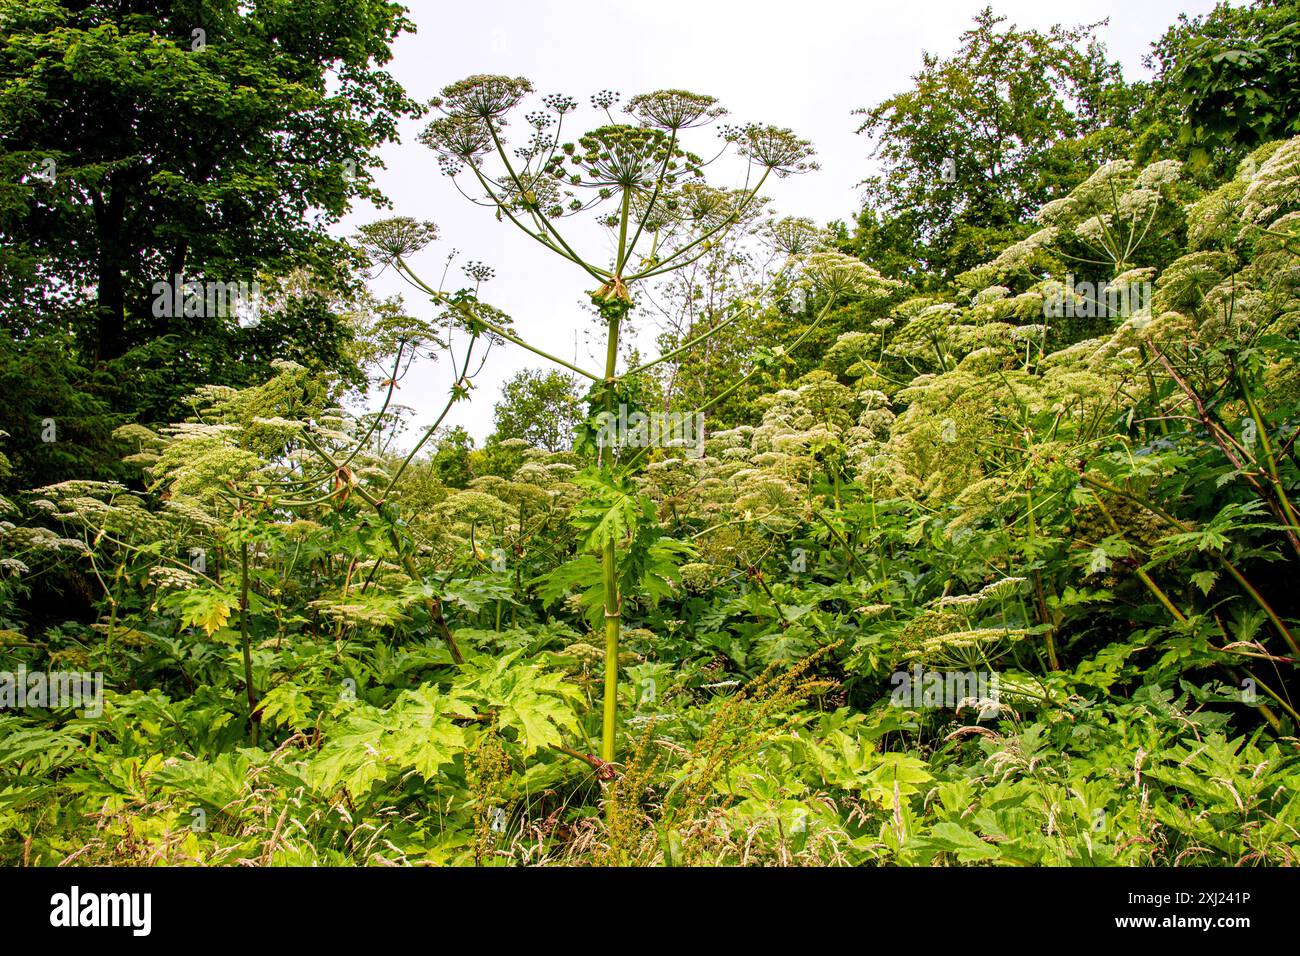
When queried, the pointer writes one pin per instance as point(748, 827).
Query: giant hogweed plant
point(252, 464)
point(637, 178)
point(1082, 473)
point(1103, 451)
point(961, 494)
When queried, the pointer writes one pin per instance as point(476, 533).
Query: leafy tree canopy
point(1226, 82)
point(542, 408)
point(982, 139)
point(214, 140)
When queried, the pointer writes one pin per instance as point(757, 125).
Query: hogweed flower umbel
point(457, 139)
point(793, 236)
point(483, 95)
point(396, 238)
point(836, 274)
point(674, 109)
point(773, 148)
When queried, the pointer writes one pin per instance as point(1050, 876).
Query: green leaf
point(207, 608)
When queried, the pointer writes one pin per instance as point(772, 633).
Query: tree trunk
point(110, 299)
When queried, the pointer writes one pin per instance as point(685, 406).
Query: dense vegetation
point(1031, 417)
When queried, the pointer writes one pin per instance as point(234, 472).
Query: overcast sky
point(805, 64)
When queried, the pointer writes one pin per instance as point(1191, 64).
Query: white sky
point(806, 65)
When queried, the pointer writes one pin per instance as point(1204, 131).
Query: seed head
point(460, 138)
point(478, 271)
point(559, 103)
point(706, 204)
point(631, 157)
point(395, 238)
point(777, 149)
point(793, 235)
point(674, 109)
point(483, 96)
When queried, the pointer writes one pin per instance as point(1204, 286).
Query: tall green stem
point(1273, 475)
point(253, 718)
point(612, 622)
point(1228, 566)
point(609, 558)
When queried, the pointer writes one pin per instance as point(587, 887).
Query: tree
point(163, 138)
point(451, 459)
point(56, 418)
point(1225, 83)
point(542, 408)
point(981, 141)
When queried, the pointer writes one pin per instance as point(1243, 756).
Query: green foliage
point(1227, 81)
point(982, 575)
point(251, 131)
point(539, 408)
point(196, 207)
point(1010, 116)
point(58, 415)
